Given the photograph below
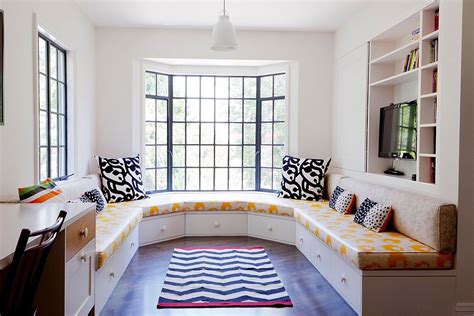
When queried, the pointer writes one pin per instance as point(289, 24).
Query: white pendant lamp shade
point(223, 34)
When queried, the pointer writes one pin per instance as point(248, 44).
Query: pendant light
point(223, 34)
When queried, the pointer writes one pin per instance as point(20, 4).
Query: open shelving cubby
point(392, 80)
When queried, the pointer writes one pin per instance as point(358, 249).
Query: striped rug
point(222, 277)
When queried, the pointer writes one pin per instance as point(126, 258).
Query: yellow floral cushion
point(113, 225)
point(364, 248)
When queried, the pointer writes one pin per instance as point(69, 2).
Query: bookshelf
point(403, 66)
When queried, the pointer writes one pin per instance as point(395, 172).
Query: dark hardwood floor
point(139, 289)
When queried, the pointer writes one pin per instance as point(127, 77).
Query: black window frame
point(258, 121)
point(50, 43)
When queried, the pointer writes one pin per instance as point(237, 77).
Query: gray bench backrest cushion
point(422, 218)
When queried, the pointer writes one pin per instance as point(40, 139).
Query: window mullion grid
point(48, 109)
point(258, 139)
point(273, 125)
point(65, 117)
point(58, 131)
point(199, 141)
point(228, 143)
point(169, 167)
point(215, 120)
point(185, 131)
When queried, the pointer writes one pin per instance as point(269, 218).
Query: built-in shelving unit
point(393, 79)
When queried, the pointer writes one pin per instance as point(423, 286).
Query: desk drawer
point(79, 234)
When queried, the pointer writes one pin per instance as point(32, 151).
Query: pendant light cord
point(224, 8)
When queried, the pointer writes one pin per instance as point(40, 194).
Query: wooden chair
point(25, 271)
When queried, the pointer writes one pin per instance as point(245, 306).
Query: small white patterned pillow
point(342, 201)
point(373, 215)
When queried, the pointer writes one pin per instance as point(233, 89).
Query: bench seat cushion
point(113, 225)
point(365, 249)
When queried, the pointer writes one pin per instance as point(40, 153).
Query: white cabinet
point(277, 228)
point(161, 228)
point(215, 224)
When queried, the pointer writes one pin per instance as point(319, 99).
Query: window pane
point(235, 156)
point(178, 179)
point(222, 111)
point(235, 179)
point(42, 55)
point(266, 133)
point(192, 133)
point(279, 110)
point(161, 156)
point(161, 179)
point(207, 133)
point(267, 111)
point(207, 179)
point(178, 156)
point(43, 92)
point(249, 156)
point(161, 110)
point(279, 133)
point(61, 99)
point(249, 111)
point(192, 156)
point(54, 162)
point(150, 161)
point(276, 179)
point(222, 87)
point(53, 121)
point(161, 133)
point(222, 156)
point(249, 133)
point(280, 86)
point(266, 179)
point(43, 163)
point(53, 96)
point(150, 175)
point(178, 133)
point(207, 156)
point(222, 133)
point(150, 110)
point(207, 110)
point(61, 66)
point(53, 62)
point(162, 85)
point(150, 133)
point(43, 128)
point(236, 87)
point(178, 110)
point(179, 87)
point(277, 156)
point(150, 83)
point(249, 179)
point(266, 87)
point(236, 111)
point(192, 87)
point(266, 156)
point(235, 133)
point(207, 87)
point(62, 162)
point(192, 110)
point(192, 179)
point(221, 179)
point(62, 130)
point(250, 87)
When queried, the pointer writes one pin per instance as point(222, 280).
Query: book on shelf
point(433, 50)
point(412, 60)
point(415, 34)
point(436, 20)
point(432, 170)
point(435, 80)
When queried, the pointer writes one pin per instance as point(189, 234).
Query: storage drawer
point(79, 281)
point(272, 227)
point(159, 228)
point(216, 224)
point(80, 233)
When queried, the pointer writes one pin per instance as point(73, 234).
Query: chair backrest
point(26, 269)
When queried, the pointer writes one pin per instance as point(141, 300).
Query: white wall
point(67, 23)
point(118, 50)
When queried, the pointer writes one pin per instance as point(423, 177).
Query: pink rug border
point(229, 304)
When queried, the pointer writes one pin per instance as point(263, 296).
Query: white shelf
point(404, 77)
point(432, 65)
point(427, 155)
point(429, 95)
point(397, 54)
point(428, 125)
point(432, 35)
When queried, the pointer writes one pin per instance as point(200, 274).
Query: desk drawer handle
point(318, 256)
point(84, 232)
point(84, 256)
point(343, 278)
point(112, 274)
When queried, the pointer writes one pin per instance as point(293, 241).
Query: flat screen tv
point(397, 134)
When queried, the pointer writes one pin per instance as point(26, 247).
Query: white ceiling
point(301, 15)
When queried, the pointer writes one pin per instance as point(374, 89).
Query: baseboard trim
point(465, 307)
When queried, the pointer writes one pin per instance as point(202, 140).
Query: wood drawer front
point(79, 234)
point(203, 224)
point(80, 272)
point(273, 228)
point(159, 228)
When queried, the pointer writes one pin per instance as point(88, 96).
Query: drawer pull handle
point(343, 279)
point(301, 240)
point(269, 227)
point(164, 228)
point(216, 224)
point(84, 257)
point(318, 256)
point(84, 232)
point(132, 244)
point(112, 274)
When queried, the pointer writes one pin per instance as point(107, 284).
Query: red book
point(436, 20)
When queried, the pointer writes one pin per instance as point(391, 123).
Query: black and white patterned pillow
point(342, 201)
point(303, 179)
point(94, 196)
point(373, 215)
point(121, 179)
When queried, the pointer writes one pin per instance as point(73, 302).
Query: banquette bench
point(406, 270)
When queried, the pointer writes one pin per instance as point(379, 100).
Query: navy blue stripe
point(219, 253)
point(237, 299)
point(223, 283)
point(220, 292)
point(220, 269)
point(220, 258)
point(221, 276)
point(219, 264)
